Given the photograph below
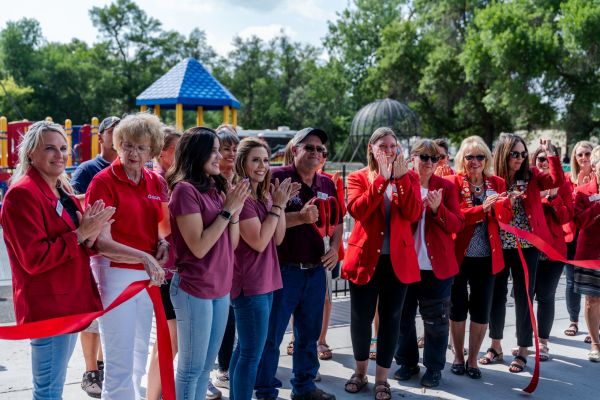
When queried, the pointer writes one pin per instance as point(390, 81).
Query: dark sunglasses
point(478, 157)
point(586, 154)
point(542, 159)
point(310, 148)
point(516, 154)
point(427, 157)
point(443, 156)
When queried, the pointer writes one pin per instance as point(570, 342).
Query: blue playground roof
point(190, 84)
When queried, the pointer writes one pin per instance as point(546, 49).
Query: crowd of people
point(238, 249)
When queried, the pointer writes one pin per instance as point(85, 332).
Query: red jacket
point(440, 228)
point(366, 206)
point(587, 219)
point(474, 215)
point(50, 272)
point(339, 187)
point(569, 228)
point(559, 212)
point(532, 201)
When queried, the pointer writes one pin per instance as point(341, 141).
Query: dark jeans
point(498, 314)
point(302, 295)
point(573, 298)
point(252, 321)
point(226, 349)
point(363, 299)
point(546, 281)
point(432, 295)
point(472, 291)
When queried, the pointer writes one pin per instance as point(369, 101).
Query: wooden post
point(226, 114)
point(144, 108)
point(69, 132)
point(179, 117)
point(4, 139)
point(157, 110)
point(234, 117)
point(200, 116)
point(94, 140)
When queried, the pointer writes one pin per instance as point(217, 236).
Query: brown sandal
point(356, 383)
point(495, 358)
point(324, 351)
point(290, 348)
point(383, 391)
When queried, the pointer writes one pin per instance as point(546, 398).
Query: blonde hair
point(595, 158)
point(31, 140)
point(425, 145)
point(137, 127)
point(575, 168)
point(243, 151)
point(473, 143)
point(378, 134)
point(288, 153)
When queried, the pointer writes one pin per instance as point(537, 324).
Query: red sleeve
point(25, 231)
point(99, 190)
point(586, 213)
point(363, 197)
point(448, 215)
point(408, 199)
point(339, 187)
point(554, 179)
point(563, 204)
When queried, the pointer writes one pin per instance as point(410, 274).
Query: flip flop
point(515, 367)
point(324, 351)
point(496, 357)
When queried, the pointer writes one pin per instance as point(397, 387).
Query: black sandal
point(572, 330)
point(496, 357)
point(358, 382)
point(515, 367)
point(383, 387)
point(473, 373)
point(458, 369)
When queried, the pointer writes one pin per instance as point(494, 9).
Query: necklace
point(477, 188)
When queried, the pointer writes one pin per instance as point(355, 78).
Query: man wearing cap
point(303, 260)
point(91, 382)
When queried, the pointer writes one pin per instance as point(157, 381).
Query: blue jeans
point(303, 294)
point(49, 359)
point(252, 321)
point(200, 327)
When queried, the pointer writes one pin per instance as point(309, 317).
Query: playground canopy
point(189, 86)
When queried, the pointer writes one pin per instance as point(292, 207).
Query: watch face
point(226, 214)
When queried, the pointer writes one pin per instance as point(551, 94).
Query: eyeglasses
point(542, 159)
point(310, 148)
point(586, 154)
point(427, 157)
point(478, 157)
point(140, 149)
point(516, 154)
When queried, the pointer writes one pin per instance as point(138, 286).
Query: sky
point(302, 20)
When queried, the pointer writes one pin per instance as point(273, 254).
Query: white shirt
point(419, 237)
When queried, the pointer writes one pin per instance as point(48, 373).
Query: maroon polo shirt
point(302, 243)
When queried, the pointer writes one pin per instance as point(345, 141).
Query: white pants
point(125, 333)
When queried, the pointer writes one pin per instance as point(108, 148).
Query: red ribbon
point(78, 322)
point(554, 255)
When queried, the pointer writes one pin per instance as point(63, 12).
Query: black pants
point(476, 300)
point(546, 281)
point(385, 286)
point(498, 314)
point(432, 295)
point(226, 349)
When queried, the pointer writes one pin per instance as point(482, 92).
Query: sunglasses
point(427, 157)
point(310, 148)
point(586, 154)
point(478, 157)
point(542, 159)
point(443, 156)
point(516, 154)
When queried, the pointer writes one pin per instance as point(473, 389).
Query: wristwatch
point(225, 214)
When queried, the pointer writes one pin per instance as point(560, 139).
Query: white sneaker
point(221, 379)
point(212, 392)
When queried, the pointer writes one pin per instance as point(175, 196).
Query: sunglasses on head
point(586, 154)
point(516, 154)
point(310, 148)
point(427, 157)
point(478, 157)
point(542, 159)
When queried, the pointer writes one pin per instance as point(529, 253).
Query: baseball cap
point(302, 134)
point(108, 122)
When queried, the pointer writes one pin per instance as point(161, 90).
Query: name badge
point(595, 197)
point(322, 196)
point(520, 183)
point(59, 208)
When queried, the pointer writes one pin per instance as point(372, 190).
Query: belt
point(302, 265)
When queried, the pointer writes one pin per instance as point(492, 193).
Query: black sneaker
point(91, 384)
point(316, 394)
point(100, 365)
point(405, 372)
point(431, 378)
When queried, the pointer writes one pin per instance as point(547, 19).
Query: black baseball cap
point(108, 122)
point(302, 134)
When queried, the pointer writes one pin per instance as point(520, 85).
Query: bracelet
point(234, 222)
point(275, 205)
point(273, 214)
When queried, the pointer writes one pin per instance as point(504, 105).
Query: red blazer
point(366, 206)
point(441, 227)
point(532, 201)
point(339, 187)
point(474, 215)
point(569, 228)
point(50, 272)
point(587, 219)
point(559, 212)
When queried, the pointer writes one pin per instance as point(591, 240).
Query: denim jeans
point(302, 295)
point(49, 359)
point(200, 327)
point(252, 321)
point(226, 349)
point(573, 298)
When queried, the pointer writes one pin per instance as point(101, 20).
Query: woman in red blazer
point(380, 259)
point(524, 186)
point(432, 236)
point(558, 211)
point(587, 281)
point(46, 233)
point(478, 250)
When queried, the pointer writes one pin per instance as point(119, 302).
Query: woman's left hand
point(162, 252)
point(434, 199)
point(154, 270)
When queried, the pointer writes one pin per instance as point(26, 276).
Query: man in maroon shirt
point(303, 260)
